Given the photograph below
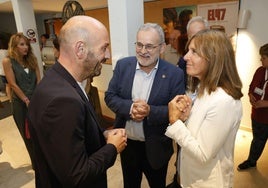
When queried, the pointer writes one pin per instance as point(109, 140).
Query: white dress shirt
point(141, 89)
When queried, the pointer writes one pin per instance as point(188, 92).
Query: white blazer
point(207, 141)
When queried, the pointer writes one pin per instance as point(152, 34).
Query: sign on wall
point(31, 35)
point(222, 16)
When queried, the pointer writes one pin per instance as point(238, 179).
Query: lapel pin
point(163, 76)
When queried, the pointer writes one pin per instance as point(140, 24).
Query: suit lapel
point(156, 87)
point(67, 76)
point(131, 73)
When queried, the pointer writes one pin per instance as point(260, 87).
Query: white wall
point(249, 41)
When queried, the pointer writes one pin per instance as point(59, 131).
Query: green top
point(26, 81)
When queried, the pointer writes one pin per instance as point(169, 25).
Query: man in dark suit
point(138, 93)
point(70, 147)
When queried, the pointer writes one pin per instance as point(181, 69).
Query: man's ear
point(80, 49)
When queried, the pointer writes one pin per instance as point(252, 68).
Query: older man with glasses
point(138, 94)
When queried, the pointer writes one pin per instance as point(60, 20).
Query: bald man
point(70, 147)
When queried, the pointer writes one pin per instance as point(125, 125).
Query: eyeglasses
point(148, 47)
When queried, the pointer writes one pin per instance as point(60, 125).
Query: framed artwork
point(177, 18)
point(175, 22)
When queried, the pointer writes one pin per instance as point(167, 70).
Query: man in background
point(196, 24)
point(43, 40)
point(171, 54)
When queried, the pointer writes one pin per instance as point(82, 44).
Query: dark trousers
point(19, 111)
point(260, 135)
point(134, 162)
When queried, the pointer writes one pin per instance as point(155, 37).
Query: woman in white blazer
point(205, 126)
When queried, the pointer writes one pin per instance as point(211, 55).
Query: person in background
point(258, 97)
point(183, 19)
point(50, 54)
point(56, 48)
point(171, 54)
point(195, 24)
point(198, 120)
point(170, 17)
point(182, 41)
point(93, 95)
point(23, 75)
point(43, 40)
point(138, 94)
point(3, 53)
point(70, 147)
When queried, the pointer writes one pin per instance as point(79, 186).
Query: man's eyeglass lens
point(148, 47)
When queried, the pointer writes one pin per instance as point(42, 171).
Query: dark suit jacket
point(168, 82)
point(69, 145)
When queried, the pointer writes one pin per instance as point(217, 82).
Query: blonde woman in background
point(23, 75)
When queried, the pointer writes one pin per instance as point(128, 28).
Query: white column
point(25, 22)
point(125, 17)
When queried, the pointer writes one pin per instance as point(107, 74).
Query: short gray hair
point(198, 19)
point(156, 27)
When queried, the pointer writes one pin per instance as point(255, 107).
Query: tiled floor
point(15, 169)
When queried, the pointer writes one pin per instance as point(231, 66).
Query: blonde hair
point(215, 47)
point(29, 60)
